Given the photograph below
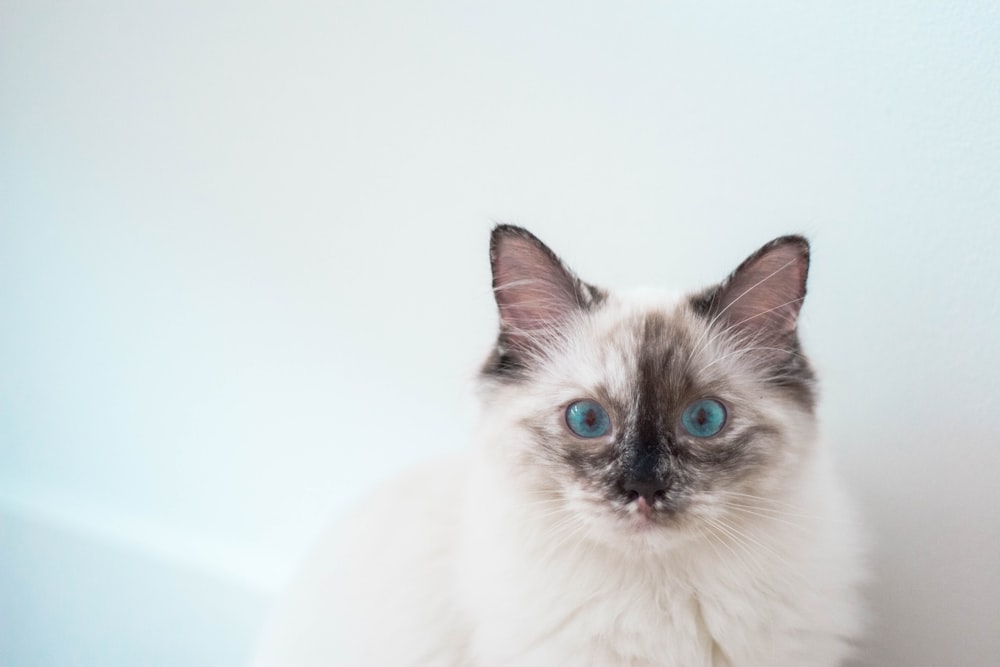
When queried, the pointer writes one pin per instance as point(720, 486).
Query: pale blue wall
point(243, 270)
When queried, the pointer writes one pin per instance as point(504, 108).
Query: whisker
point(770, 517)
point(744, 557)
point(788, 575)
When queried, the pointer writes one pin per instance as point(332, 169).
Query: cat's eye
point(587, 419)
point(704, 418)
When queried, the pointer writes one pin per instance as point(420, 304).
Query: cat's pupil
point(587, 419)
point(704, 418)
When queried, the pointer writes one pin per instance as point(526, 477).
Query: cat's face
point(647, 415)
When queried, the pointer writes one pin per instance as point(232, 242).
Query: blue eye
point(587, 419)
point(704, 418)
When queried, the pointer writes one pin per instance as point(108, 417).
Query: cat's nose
point(652, 490)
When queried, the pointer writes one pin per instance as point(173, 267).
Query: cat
point(647, 489)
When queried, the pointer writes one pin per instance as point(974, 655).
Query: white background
point(243, 273)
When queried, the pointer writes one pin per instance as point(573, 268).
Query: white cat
point(647, 489)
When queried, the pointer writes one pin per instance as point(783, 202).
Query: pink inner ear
point(765, 294)
point(534, 291)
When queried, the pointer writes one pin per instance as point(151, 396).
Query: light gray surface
point(68, 600)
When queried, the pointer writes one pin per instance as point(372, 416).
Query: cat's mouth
point(642, 517)
point(658, 510)
point(643, 509)
point(643, 514)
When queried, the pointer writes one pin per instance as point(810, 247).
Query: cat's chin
point(636, 530)
point(655, 536)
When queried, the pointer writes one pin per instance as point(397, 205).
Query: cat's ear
point(762, 298)
point(535, 292)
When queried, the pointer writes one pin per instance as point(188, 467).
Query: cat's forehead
point(647, 299)
point(628, 332)
point(632, 321)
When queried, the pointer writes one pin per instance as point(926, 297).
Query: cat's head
point(647, 414)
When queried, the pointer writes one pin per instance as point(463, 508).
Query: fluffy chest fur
point(769, 592)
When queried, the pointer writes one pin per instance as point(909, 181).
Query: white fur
point(484, 559)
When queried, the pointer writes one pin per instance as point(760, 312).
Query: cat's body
point(647, 489)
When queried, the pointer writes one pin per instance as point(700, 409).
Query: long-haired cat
point(647, 489)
